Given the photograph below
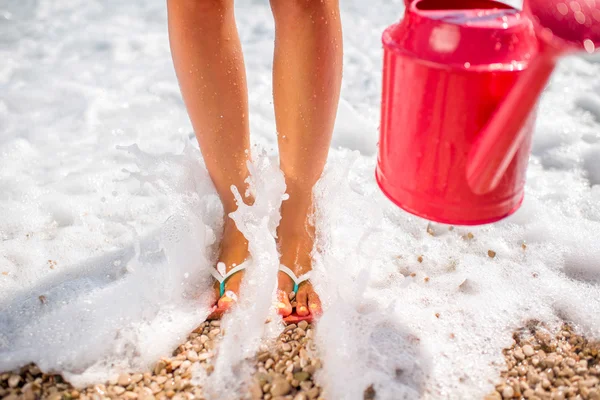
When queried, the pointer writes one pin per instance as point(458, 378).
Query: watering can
point(461, 82)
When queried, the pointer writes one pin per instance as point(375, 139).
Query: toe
point(228, 300)
point(302, 306)
point(284, 307)
point(314, 304)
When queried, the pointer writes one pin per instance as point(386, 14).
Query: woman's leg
point(307, 74)
point(209, 65)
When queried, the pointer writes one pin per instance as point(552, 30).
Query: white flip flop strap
point(221, 279)
point(297, 280)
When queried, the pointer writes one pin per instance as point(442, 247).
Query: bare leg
point(209, 64)
point(307, 75)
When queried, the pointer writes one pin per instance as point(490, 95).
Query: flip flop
point(294, 318)
point(221, 276)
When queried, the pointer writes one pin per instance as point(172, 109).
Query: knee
point(297, 8)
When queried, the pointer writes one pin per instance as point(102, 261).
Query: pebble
point(124, 380)
point(301, 376)
point(118, 389)
point(546, 367)
point(280, 387)
point(508, 392)
point(256, 392)
point(135, 378)
point(528, 350)
point(205, 356)
point(161, 379)
point(269, 363)
point(192, 355)
point(303, 325)
point(13, 381)
point(519, 354)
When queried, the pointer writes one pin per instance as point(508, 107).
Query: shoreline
point(540, 365)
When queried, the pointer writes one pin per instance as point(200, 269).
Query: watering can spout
point(503, 135)
point(560, 30)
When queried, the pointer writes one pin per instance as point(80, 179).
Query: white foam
point(107, 211)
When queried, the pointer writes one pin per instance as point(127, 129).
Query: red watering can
point(461, 82)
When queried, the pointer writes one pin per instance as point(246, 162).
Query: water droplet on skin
point(590, 47)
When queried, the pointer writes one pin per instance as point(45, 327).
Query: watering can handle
point(503, 134)
point(561, 29)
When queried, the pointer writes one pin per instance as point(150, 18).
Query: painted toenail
point(302, 308)
point(314, 306)
point(281, 305)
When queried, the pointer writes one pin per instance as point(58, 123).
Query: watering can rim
point(461, 58)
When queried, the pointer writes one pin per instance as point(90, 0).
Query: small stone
point(161, 379)
point(508, 392)
point(124, 380)
point(301, 376)
point(256, 392)
point(204, 339)
point(491, 253)
point(300, 396)
point(280, 387)
point(192, 355)
point(135, 378)
point(558, 395)
point(155, 387)
point(550, 360)
point(118, 390)
point(13, 381)
point(286, 347)
point(205, 356)
point(519, 354)
point(269, 364)
point(175, 364)
point(493, 396)
point(545, 383)
point(528, 394)
point(160, 365)
point(303, 325)
point(369, 393)
point(590, 382)
point(314, 393)
point(528, 350)
point(214, 333)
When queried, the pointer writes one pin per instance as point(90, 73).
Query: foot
point(296, 246)
point(233, 252)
